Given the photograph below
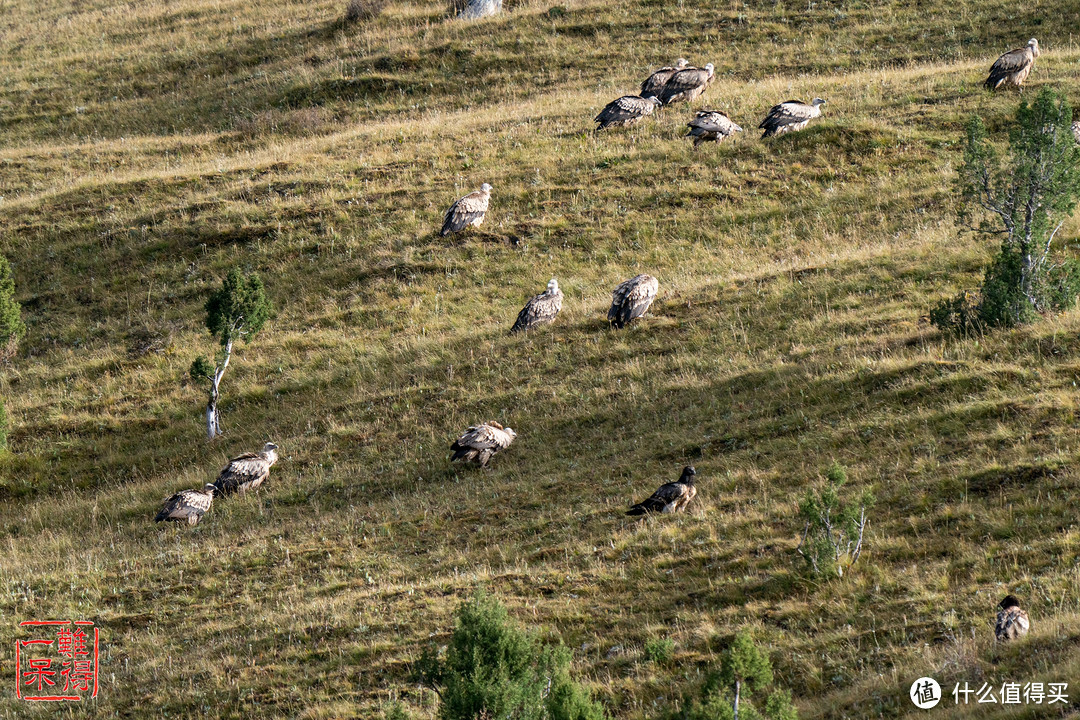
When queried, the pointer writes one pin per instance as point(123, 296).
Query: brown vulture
point(540, 310)
point(632, 299)
point(655, 83)
point(246, 472)
point(625, 111)
point(187, 505)
point(1013, 67)
point(790, 116)
point(1012, 621)
point(687, 85)
point(710, 125)
point(672, 497)
point(467, 211)
point(480, 442)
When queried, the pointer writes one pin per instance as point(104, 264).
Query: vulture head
point(486, 188)
point(681, 63)
point(688, 474)
point(1034, 45)
point(709, 69)
point(655, 100)
point(553, 286)
point(510, 432)
point(817, 101)
point(209, 488)
point(1009, 602)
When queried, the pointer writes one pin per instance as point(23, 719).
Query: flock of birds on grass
point(629, 300)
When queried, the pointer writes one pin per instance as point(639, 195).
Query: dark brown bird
point(480, 442)
point(1012, 68)
point(687, 85)
point(655, 83)
point(187, 505)
point(631, 299)
point(540, 310)
point(790, 116)
point(625, 111)
point(710, 125)
point(1012, 621)
point(669, 498)
point(469, 210)
point(246, 472)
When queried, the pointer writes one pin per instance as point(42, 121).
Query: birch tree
point(1024, 198)
point(237, 311)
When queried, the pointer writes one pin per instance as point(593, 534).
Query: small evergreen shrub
point(833, 529)
point(744, 673)
point(492, 669)
point(660, 650)
point(11, 324)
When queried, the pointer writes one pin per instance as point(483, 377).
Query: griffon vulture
point(467, 211)
point(625, 111)
point(632, 299)
point(687, 85)
point(710, 125)
point(1012, 621)
point(246, 472)
point(187, 505)
point(790, 116)
point(672, 497)
point(655, 83)
point(1013, 67)
point(540, 310)
point(479, 443)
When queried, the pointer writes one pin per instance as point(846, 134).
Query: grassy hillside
point(147, 148)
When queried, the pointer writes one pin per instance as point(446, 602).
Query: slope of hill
point(146, 148)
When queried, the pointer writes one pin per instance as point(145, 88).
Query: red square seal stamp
point(58, 662)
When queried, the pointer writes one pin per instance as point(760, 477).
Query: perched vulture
point(1076, 130)
point(541, 310)
point(1013, 67)
point(711, 125)
point(626, 110)
point(1012, 621)
point(187, 505)
point(246, 472)
point(790, 116)
point(467, 211)
point(655, 83)
point(479, 443)
point(687, 85)
point(671, 497)
point(632, 299)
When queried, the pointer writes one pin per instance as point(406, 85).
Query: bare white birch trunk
point(213, 427)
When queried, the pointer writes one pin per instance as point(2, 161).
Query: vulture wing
point(1011, 624)
point(185, 506)
point(1015, 62)
point(244, 472)
point(632, 299)
point(480, 443)
point(541, 310)
point(624, 111)
point(790, 115)
point(654, 84)
point(711, 125)
point(685, 85)
point(665, 497)
point(469, 210)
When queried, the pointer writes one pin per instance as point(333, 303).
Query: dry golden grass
point(145, 149)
